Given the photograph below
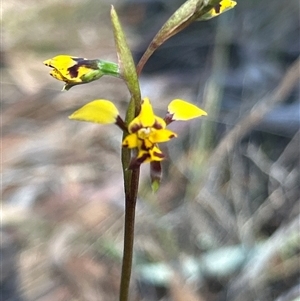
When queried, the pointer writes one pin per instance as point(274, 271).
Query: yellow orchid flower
point(145, 131)
point(74, 70)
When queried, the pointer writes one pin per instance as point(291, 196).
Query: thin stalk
point(130, 204)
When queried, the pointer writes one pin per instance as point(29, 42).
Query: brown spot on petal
point(73, 71)
point(136, 162)
point(80, 62)
point(217, 8)
point(159, 155)
point(143, 145)
point(157, 125)
point(134, 128)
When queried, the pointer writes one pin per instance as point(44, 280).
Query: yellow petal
point(130, 141)
point(160, 136)
point(98, 111)
point(182, 110)
point(147, 143)
point(159, 123)
point(61, 62)
point(146, 118)
point(220, 8)
point(143, 156)
point(56, 74)
point(87, 74)
point(155, 154)
point(226, 5)
point(146, 115)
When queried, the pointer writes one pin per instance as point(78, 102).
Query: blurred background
point(224, 225)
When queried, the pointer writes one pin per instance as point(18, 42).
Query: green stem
point(130, 204)
point(109, 68)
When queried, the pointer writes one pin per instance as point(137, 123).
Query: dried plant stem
point(288, 82)
point(130, 203)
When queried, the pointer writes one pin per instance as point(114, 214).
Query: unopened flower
point(75, 71)
point(222, 7)
point(145, 131)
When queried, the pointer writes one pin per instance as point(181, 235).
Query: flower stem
point(130, 203)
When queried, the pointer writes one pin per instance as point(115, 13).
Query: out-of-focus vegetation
point(224, 224)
